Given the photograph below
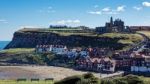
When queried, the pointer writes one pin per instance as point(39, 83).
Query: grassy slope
point(147, 33)
point(17, 50)
point(28, 56)
point(129, 38)
point(17, 53)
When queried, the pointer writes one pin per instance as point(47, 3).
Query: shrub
point(107, 82)
point(88, 75)
point(131, 79)
point(70, 80)
point(84, 81)
point(120, 81)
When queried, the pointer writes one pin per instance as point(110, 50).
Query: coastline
point(41, 72)
point(3, 44)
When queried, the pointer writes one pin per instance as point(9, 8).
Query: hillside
point(21, 56)
point(29, 38)
point(147, 33)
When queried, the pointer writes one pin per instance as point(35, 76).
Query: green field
point(25, 82)
point(17, 50)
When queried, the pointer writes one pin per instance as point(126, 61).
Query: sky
point(17, 14)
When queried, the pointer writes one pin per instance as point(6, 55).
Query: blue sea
point(3, 44)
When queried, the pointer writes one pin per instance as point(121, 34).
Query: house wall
point(140, 69)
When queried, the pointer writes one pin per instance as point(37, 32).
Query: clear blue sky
point(15, 14)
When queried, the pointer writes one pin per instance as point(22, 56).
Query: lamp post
point(100, 69)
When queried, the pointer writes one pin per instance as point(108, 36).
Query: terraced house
point(141, 65)
point(58, 49)
point(96, 64)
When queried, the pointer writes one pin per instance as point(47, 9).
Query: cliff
point(31, 38)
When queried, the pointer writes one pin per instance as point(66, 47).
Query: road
point(140, 46)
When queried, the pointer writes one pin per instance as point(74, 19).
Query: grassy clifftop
point(72, 37)
point(128, 38)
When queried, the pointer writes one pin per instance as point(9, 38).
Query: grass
point(124, 38)
point(120, 35)
point(126, 41)
point(17, 50)
point(50, 30)
point(147, 33)
point(64, 29)
point(25, 82)
point(129, 38)
point(72, 33)
point(146, 80)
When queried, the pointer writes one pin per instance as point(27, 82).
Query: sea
point(3, 44)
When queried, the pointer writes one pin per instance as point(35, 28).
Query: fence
point(31, 81)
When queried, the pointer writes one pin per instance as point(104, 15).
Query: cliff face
point(31, 39)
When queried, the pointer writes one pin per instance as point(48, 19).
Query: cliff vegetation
point(72, 37)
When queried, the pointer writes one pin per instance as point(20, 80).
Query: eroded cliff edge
point(30, 38)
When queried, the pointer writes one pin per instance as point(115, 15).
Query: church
point(112, 26)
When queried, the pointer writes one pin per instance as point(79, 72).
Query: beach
point(41, 72)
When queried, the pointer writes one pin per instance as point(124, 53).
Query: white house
point(58, 49)
point(84, 53)
point(72, 53)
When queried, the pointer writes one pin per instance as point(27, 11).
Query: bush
point(70, 80)
point(131, 79)
point(120, 81)
point(87, 78)
point(95, 80)
point(88, 75)
point(84, 81)
point(107, 82)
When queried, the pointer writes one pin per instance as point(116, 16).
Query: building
point(100, 30)
point(141, 65)
point(58, 26)
point(96, 64)
point(58, 49)
point(112, 26)
point(139, 28)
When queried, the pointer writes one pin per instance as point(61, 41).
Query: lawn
point(25, 82)
point(17, 50)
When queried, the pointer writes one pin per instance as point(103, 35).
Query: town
point(135, 60)
point(75, 42)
